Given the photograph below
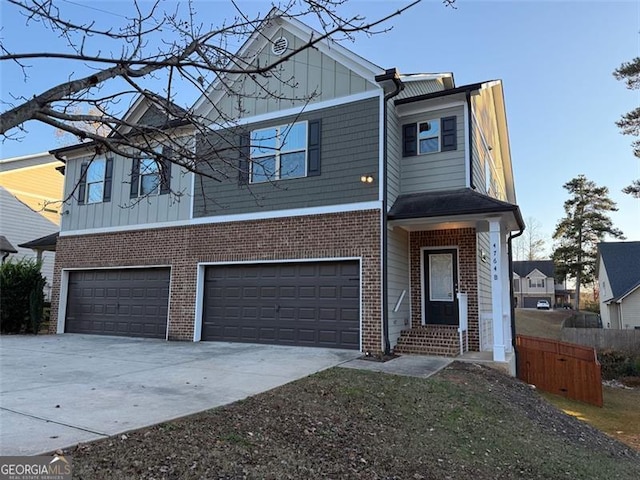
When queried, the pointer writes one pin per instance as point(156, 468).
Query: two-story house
point(534, 280)
point(377, 216)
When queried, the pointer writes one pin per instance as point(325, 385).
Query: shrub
point(21, 298)
point(616, 364)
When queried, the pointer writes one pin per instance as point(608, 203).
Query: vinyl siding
point(37, 185)
point(435, 171)
point(488, 168)
point(630, 310)
point(349, 149)
point(398, 281)
point(308, 77)
point(20, 224)
point(122, 210)
point(485, 306)
point(394, 155)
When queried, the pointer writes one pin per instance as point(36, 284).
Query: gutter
point(511, 302)
point(389, 75)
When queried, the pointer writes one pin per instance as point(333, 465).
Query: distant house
point(35, 181)
point(618, 271)
point(20, 224)
point(30, 201)
point(535, 280)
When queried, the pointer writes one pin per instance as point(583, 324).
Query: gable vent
point(279, 46)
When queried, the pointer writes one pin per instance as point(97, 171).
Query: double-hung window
point(429, 136)
point(279, 152)
point(95, 181)
point(151, 176)
point(536, 283)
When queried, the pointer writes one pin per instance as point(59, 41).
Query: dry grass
point(619, 417)
point(541, 323)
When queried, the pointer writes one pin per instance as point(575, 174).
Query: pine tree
point(586, 223)
point(629, 123)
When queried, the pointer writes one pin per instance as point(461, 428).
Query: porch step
point(430, 340)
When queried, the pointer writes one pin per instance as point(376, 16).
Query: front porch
point(460, 284)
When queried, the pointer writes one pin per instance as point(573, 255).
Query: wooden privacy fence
point(572, 371)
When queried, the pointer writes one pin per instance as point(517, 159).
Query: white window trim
point(141, 176)
point(277, 153)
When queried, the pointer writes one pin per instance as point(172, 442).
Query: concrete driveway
point(60, 390)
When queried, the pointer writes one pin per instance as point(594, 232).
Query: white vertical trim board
point(467, 147)
point(199, 310)
point(62, 300)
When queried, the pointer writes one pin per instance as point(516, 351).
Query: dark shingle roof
point(5, 245)
point(622, 261)
point(48, 242)
point(524, 268)
point(462, 201)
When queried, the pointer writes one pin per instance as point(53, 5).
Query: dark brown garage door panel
point(129, 302)
point(306, 303)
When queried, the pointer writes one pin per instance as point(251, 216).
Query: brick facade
point(351, 234)
point(465, 241)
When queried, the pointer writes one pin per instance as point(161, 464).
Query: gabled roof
point(263, 34)
point(525, 267)
point(622, 262)
point(447, 203)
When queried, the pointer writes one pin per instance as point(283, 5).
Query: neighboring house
point(534, 280)
point(36, 181)
point(20, 224)
point(618, 272)
point(387, 227)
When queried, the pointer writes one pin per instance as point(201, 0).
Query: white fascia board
point(419, 107)
point(259, 39)
point(424, 76)
point(243, 217)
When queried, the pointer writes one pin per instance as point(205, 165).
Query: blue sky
point(555, 59)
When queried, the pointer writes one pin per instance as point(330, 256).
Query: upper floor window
point(279, 152)
point(94, 185)
point(536, 283)
point(150, 176)
point(430, 136)
point(516, 284)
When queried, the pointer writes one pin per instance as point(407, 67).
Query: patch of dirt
point(467, 421)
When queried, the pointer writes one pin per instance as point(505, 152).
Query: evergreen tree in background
point(629, 123)
point(586, 223)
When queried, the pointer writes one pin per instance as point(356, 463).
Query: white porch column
point(497, 297)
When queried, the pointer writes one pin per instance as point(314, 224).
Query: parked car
point(543, 305)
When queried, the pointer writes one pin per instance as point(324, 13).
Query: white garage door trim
point(197, 330)
point(64, 290)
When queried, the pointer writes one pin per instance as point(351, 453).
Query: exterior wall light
point(366, 179)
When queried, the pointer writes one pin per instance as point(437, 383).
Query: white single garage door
point(131, 302)
point(304, 303)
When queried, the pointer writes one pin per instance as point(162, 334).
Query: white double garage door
point(294, 303)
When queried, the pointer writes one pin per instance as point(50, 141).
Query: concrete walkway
point(408, 365)
point(60, 390)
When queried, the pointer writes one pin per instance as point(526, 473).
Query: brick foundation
point(465, 240)
point(351, 234)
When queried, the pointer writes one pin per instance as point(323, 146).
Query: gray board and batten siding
point(349, 148)
point(122, 210)
point(398, 282)
point(318, 78)
point(435, 171)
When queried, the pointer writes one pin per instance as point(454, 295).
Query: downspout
point(511, 303)
point(390, 74)
point(470, 130)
